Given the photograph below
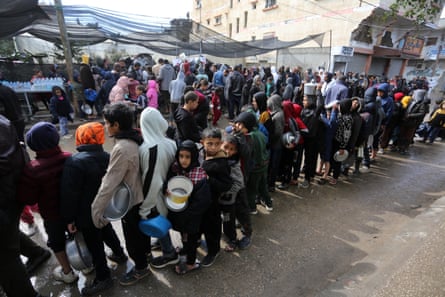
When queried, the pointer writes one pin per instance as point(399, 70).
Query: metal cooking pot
point(78, 254)
point(119, 203)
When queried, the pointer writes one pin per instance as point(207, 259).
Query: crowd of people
point(165, 122)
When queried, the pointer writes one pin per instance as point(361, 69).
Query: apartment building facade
point(359, 35)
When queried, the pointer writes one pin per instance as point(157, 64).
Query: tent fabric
point(17, 15)
point(89, 25)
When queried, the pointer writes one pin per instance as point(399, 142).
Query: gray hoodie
point(274, 104)
point(176, 88)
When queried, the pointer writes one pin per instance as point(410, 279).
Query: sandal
point(182, 268)
point(230, 247)
point(333, 181)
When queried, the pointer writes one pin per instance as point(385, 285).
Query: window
point(270, 3)
point(431, 41)
point(231, 3)
point(245, 19)
point(230, 30)
point(218, 20)
point(237, 25)
point(253, 5)
point(208, 22)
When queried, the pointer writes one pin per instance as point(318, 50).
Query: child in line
point(257, 163)
point(240, 208)
point(152, 93)
point(81, 178)
point(141, 102)
point(124, 167)
point(60, 108)
point(217, 168)
point(216, 105)
point(188, 221)
point(40, 183)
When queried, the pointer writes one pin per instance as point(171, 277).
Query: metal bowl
point(78, 254)
point(86, 109)
point(341, 158)
point(119, 203)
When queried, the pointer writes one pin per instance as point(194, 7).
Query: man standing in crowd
point(166, 75)
point(234, 91)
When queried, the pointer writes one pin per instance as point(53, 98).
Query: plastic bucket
point(180, 188)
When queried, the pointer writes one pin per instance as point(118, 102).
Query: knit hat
point(90, 133)
point(248, 119)
point(398, 96)
point(42, 136)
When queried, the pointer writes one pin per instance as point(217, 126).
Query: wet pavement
point(362, 237)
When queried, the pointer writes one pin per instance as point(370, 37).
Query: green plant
point(421, 11)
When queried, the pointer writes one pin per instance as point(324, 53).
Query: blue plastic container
point(156, 227)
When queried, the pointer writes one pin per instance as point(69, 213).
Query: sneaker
point(155, 244)
point(364, 169)
point(119, 259)
point(253, 211)
point(267, 206)
point(380, 151)
point(244, 243)
point(97, 286)
point(162, 261)
point(304, 184)
point(68, 278)
point(133, 276)
point(33, 263)
point(208, 260)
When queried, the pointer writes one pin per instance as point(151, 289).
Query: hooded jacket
point(276, 111)
point(154, 128)
point(166, 75)
point(176, 88)
point(386, 102)
point(82, 175)
point(59, 106)
point(11, 165)
point(118, 92)
point(152, 94)
point(218, 77)
point(288, 90)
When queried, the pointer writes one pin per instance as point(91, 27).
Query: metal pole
point(330, 50)
point(66, 46)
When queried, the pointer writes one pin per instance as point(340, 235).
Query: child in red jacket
point(40, 183)
point(216, 105)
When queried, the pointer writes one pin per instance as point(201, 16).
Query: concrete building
point(359, 35)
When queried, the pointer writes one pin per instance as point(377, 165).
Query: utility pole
point(66, 46)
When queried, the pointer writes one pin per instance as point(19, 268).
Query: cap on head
point(42, 136)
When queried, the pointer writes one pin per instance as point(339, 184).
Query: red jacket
point(40, 182)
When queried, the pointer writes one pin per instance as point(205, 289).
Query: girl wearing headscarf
point(189, 220)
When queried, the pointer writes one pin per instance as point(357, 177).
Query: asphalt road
point(315, 241)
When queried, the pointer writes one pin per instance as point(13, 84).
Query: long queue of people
point(273, 137)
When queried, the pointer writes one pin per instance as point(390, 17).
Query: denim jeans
point(63, 123)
